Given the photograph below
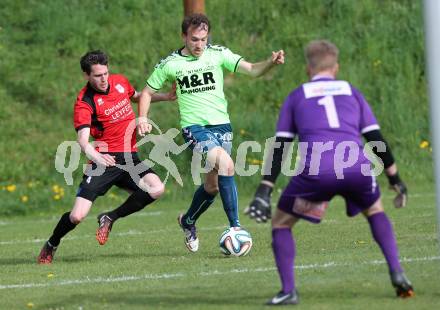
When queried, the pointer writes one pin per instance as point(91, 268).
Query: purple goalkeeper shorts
point(359, 192)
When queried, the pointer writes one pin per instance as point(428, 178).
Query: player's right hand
point(259, 209)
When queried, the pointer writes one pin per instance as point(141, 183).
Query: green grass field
point(145, 264)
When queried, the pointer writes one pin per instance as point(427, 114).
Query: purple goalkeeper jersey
point(328, 116)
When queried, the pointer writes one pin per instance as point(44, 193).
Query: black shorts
point(125, 176)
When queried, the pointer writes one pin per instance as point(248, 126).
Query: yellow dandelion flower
point(11, 188)
point(30, 305)
point(24, 198)
point(424, 144)
point(50, 275)
point(55, 188)
point(56, 197)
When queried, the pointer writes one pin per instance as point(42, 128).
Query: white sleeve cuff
point(370, 128)
point(285, 134)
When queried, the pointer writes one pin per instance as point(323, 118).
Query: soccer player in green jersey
point(197, 70)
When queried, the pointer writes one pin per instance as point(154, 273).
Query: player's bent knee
point(76, 218)
point(223, 161)
point(277, 223)
point(375, 208)
point(211, 185)
point(231, 168)
point(212, 190)
point(282, 219)
point(151, 184)
point(227, 167)
point(156, 190)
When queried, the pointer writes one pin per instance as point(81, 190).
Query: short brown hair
point(321, 55)
point(93, 58)
point(195, 20)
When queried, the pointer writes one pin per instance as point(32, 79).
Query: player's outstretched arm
point(260, 68)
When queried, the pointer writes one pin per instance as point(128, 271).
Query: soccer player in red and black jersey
point(103, 110)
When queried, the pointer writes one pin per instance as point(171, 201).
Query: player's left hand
point(143, 126)
point(402, 194)
point(397, 185)
point(278, 57)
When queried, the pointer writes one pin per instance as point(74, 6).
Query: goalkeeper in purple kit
point(329, 117)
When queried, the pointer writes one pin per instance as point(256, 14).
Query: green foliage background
point(382, 54)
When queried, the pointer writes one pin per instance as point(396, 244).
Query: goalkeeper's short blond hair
point(321, 55)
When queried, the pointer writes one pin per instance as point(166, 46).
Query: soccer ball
point(235, 241)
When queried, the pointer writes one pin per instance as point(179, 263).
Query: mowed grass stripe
point(91, 217)
point(126, 278)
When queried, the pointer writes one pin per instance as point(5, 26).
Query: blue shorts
point(205, 138)
point(359, 192)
